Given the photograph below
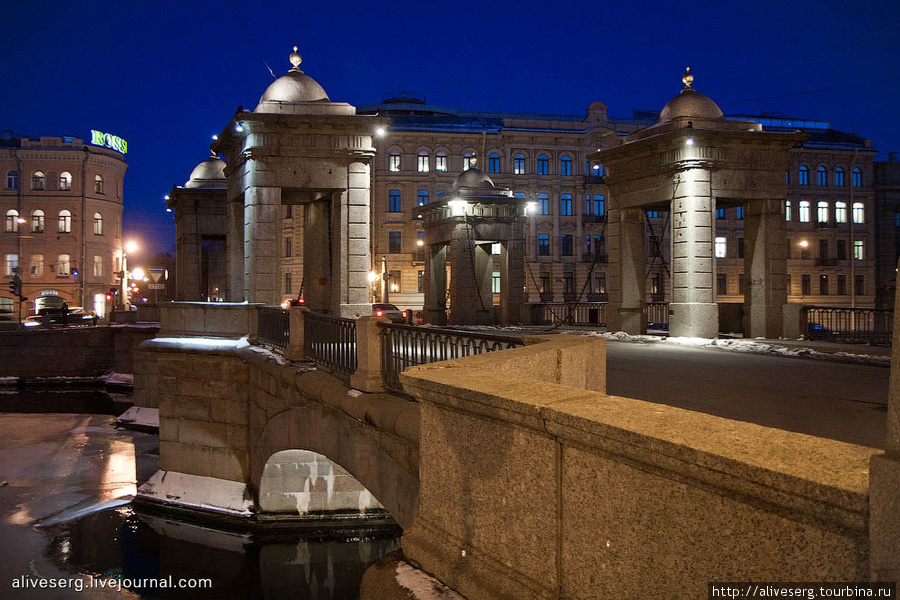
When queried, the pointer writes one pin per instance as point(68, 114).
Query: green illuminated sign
point(110, 141)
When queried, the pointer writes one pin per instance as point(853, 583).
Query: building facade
point(62, 201)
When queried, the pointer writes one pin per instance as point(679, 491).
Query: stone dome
point(293, 86)
point(473, 179)
point(208, 174)
point(690, 103)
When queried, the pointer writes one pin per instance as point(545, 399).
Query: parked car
point(391, 312)
point(76, 316)
point(815, 331)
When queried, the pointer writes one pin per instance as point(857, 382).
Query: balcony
point(594, 180)
point(588, 219)
point(826, 262)
point(590, 257)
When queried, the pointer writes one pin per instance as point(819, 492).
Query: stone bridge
point(513, 474)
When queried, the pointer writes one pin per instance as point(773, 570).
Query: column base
point(632, 321)
point(884, 526)
point(694, 319)
point(765, 321)
point(354, 311)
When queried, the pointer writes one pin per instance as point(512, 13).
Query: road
point(840, 401)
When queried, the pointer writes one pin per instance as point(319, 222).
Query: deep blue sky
point(166, 75)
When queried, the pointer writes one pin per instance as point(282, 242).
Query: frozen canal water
point(66, 481)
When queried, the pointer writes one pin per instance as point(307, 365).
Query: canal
point(69, 530)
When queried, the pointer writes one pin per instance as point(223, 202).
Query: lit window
point(838, 176)
point(98, 224)
point(468, 160)
point(496, 248)
point(422, 164)
point(63, 265)
point(543, 165)
point(440, 162)
point(721, 247)
point(37, 180)
point(495, 282)
point(12, 264)
point(393, 161)
point(720, 213)
point(12, 221)
point(394, 204)
point(652, 214)
point(565, 244)
point(821, 176)
point(12, 180)
point(543, 204)
point(857, 177)
point(787, 210)
point(98, 266)
point(840, 212)
point(599, 205)
point(740, 212)
point(518, 164)
point(565, 205)
point(804, 211)
point(65, 222)
point(787, 177)
point(565, 165)
point(422, 198)
point(65, 181)
point(98, 184)
point(394, 242)
point(859, 212)
point(543, 244)
point(859, 250)
point(493, 162)
point(803, 179)
point(37, 265)
point(822, 212)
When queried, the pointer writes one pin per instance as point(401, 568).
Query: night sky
point(167, 75)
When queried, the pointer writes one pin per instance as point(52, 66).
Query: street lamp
point(129, 248)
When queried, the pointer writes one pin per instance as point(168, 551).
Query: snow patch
point(423, 586)
point(194, 491)
point(139, 416)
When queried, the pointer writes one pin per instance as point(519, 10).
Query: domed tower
point(689, 163)
point(200, 232)
point(300, 149)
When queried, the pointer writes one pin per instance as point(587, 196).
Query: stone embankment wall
point(71, 352)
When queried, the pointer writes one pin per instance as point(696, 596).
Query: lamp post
point(129, 248)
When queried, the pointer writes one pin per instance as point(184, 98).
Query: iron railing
point(330, 342)
point(569, 313)
point(855, 325)
point(274, 327)
point(405, 346)
point(658, 315)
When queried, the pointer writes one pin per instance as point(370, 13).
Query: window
point(65, 222)
point(823, 249)
point(565, 244)
point(804, 211)
point(493, 163)
point(740, 213)
point(288, 211)
point(12, 264)
point(543, 165)
point(543, 204)
point(821, 176)
point(859, 285)
point(422, 198)
point(652, 214)
point(395, 278)
point(287, 283)
point(394, 161)
point(37, 265)
point(787, 210)
point(597, 170)
point(394, 242)
point(787, 177)
point(543, 244)
point(803, 179)
point(468, 160)
point(599, 205)
point(288, 247)
point(721, 284)
point(65, 181)
point(569, 284)
point(859, 250)
point(842, 285)
point(420, 282)
point(720, 213)
point(98, 266)
point(741, 283)
point(842, 249)
point(600, 282)
point(496, 248)
point(422, 162)
point(63, 265)
point(840, 212)
point(37, 180)
point(721, 247)
point(98, 184)
point(518, 164)
point(12, 221)
point(565, 205)
point(859, 212)
point(823, 285)
point(12, 180)
point(440, 162)
point(495, 282)
point(98, 224)
point(740, 247)
point(822, 212)
point(857, 177)
point(546, 284)
point(805, 285)
point(839, 177)
point(394, 204)
point(37, 221)
point(565, 165)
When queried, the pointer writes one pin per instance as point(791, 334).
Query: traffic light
point(15, 287)
point(74, 270)
point(112, 293)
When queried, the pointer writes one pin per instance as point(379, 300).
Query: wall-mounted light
point(373, 276)
point(689, 142)
point(530, 207)
point(420, 242)
point(380, 131)
point(804, 244)
point(458, 207)
point(238, 127)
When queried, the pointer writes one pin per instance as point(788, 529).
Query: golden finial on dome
point(687, 78)
point(295, 58)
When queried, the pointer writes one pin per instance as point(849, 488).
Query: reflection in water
point(123, 543)
point(62, 400)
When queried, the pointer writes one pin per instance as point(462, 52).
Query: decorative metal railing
point(855, 325)
point(658, 315)
point(405, 346)
point(274, 327)
point(330, 342)
point(569, 313)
